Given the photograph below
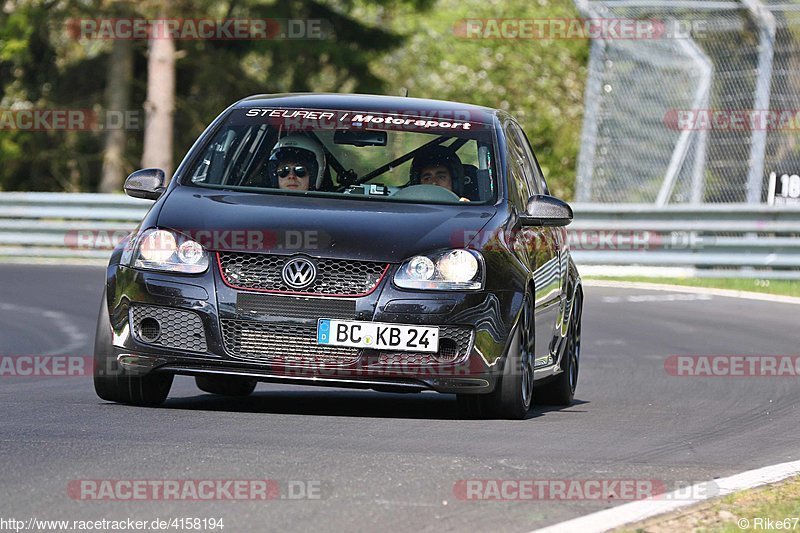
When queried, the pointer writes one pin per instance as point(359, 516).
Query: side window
point(538, 175)
point(531, 169)
point(520, 188)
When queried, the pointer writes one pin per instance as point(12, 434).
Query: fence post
point(766, 51)
point(701, 95)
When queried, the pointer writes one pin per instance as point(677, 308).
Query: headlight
point(159, 249)
point(157, 246)
point(445, 271)
point(420, 268)
point(459, 266)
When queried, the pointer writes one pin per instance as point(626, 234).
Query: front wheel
point(149, 390)
point(112, 383)
point(513, 395)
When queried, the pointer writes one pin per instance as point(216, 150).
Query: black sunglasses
point(299, 171)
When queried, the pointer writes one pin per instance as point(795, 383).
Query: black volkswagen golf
point(388, 243)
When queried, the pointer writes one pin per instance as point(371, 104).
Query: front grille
point(334, 276)
point(259, 341)
point(250, 304)
point(168, 327)
point(454, 344)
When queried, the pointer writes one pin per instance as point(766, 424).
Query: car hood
point(321, 227)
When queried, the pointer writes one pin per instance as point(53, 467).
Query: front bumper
point(441, 380)
point(207, 327)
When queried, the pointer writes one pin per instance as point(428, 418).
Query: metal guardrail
point(75, 226)
point(731, 240)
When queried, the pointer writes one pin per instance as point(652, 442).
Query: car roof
point(372, 103)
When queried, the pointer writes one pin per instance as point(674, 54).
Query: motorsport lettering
point(359, 119)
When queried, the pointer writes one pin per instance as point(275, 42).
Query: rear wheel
point(561, 391)
point(226, 385)
point(112, 383)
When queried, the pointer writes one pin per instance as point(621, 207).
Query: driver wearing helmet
point(439, 165)
point(297, 163)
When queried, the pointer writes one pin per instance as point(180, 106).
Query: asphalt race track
point(393, 460)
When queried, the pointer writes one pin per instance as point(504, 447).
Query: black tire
point(512, 396)
point(226, 385)
point(561, 391)
point(476, 406)
point(112, 383)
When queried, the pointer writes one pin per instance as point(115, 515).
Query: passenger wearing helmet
point(297, 163)
point(438, 165)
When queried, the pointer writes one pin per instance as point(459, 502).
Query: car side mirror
point(544, 210)
point(148, 183)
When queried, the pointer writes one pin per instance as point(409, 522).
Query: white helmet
point(304, 149)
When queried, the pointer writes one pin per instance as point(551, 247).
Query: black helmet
point(439, 155)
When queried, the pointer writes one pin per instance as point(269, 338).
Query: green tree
point(374, 47)
point(540, 82)
point(43, 66)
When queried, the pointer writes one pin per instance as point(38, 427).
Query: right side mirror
point(544, 210)
point(148, 183)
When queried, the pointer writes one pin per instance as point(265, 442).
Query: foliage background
point(379, 47)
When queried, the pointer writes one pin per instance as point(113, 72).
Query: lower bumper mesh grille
point(454, 344)
point(171, 328)
point(259, 341)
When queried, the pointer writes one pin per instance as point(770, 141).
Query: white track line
point(629, 513)
point(727, 293)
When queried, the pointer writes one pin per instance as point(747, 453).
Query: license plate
point(378, 335)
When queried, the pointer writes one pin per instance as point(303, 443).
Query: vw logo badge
point(299, 273)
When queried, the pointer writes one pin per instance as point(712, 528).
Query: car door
point(541, 245)
point(559, 234)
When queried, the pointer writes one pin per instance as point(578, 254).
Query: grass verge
point(760, 509)
point(782, 287)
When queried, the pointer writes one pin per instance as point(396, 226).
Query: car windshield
point(351, 154)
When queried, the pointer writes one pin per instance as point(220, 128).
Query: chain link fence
point(705, 111)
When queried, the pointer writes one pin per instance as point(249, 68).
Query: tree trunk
point(118, 92)
point(160, 104)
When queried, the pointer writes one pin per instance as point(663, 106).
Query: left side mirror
point(543, 210)
point(148, 183)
